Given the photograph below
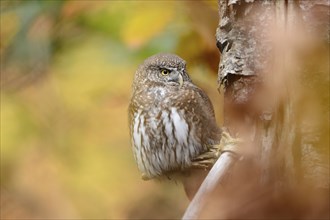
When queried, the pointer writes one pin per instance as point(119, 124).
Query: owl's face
point(163, 70)
point(166, 75)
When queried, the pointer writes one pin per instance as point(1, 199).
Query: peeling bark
point(258, 58)
point(274, 69)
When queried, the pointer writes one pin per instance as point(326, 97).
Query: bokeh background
point(66, 72)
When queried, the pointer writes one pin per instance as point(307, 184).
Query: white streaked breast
point(181, 127)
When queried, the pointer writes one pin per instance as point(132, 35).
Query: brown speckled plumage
point(171, 120)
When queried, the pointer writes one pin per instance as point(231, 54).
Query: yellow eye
point(165, 72)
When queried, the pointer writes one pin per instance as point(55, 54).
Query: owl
point(172, 122)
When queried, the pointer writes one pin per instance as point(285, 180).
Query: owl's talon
point(204, 164)
point(208, 158)
point(230, 139)
point(228, 143)
point(205, 156)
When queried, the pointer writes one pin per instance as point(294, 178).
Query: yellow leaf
point(147, 21)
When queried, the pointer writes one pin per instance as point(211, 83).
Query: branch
point(213, 179)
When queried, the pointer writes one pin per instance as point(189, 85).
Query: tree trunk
point(274, 70)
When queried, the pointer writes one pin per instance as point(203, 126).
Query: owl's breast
point(163, 140)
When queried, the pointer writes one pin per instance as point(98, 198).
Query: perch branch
point(212, 180)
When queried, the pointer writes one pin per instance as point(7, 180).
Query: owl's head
point(164, 69)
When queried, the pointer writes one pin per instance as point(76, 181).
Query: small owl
point(171, 120)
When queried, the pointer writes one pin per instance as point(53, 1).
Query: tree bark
point(274, 70)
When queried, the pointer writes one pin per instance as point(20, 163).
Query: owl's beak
point(180, 80)
point(176, 77)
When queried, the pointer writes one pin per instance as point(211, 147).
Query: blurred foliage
point(66, 70)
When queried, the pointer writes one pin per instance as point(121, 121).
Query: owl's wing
point(131, 110)
point(211, 129)
point(206, 102)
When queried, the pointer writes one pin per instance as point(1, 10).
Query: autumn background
point(66, 72)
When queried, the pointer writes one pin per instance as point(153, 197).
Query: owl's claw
point(208, 158)
point(205, 160)
point(203, 164)
point(211, 154)
point(227, 143)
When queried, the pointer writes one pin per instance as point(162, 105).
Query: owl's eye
point(165, 72)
